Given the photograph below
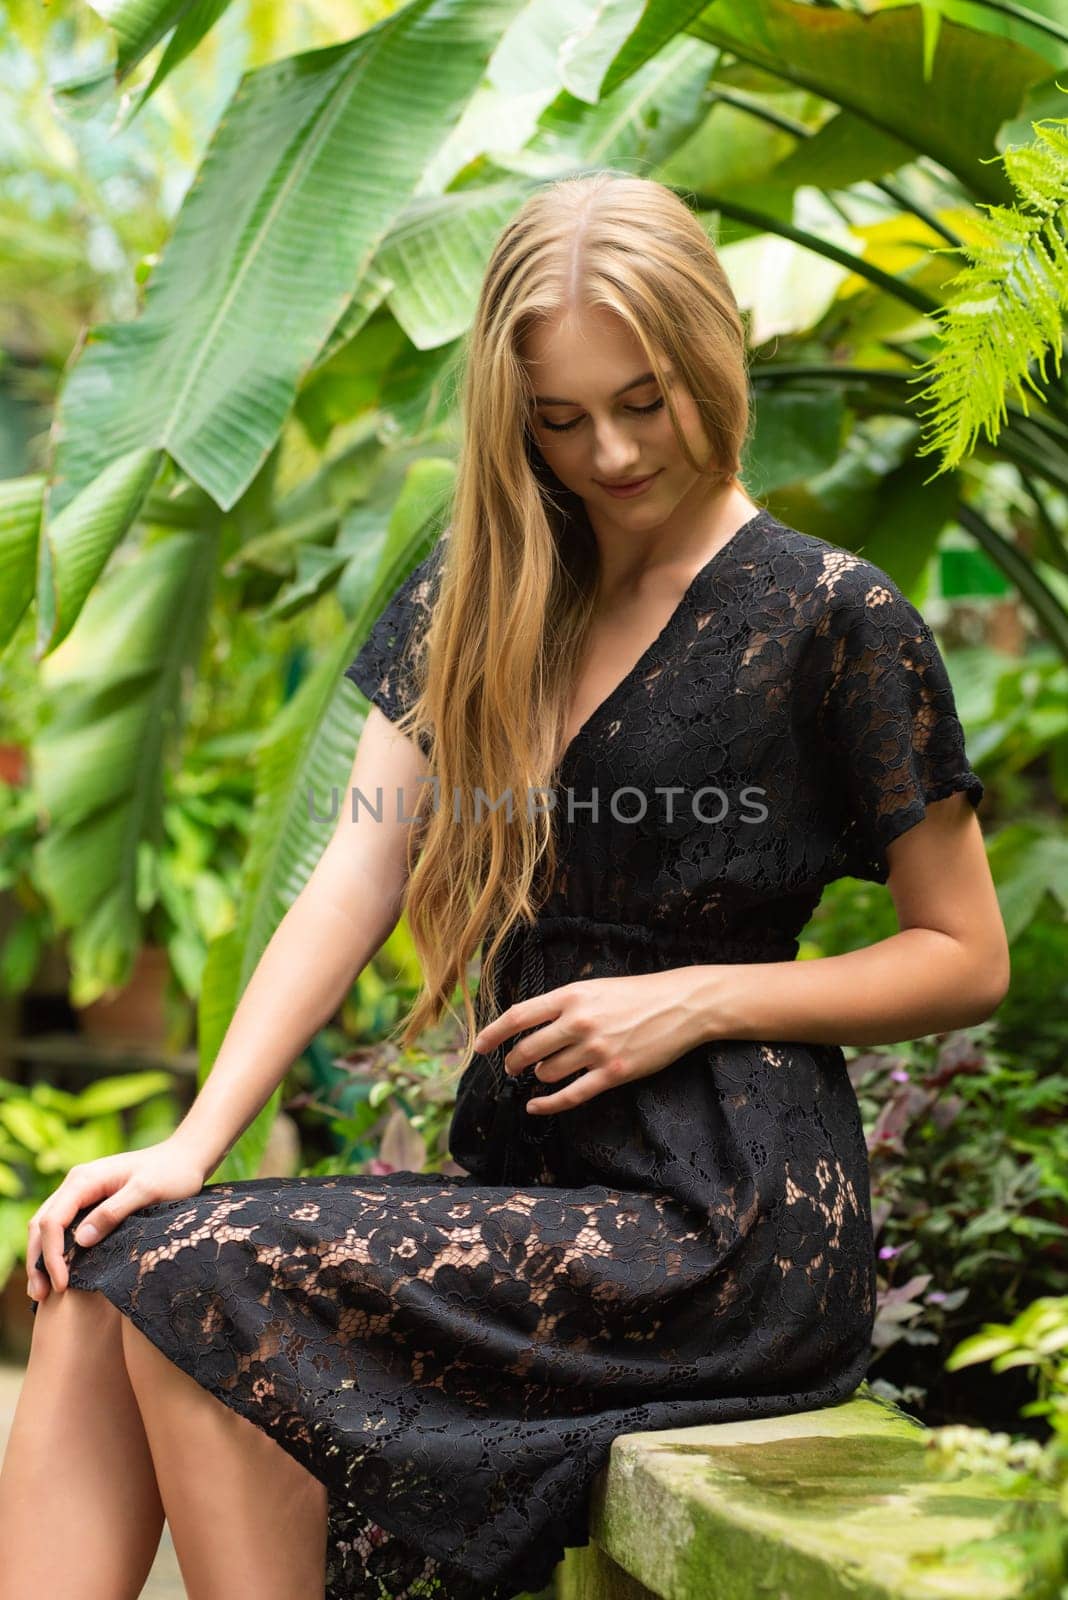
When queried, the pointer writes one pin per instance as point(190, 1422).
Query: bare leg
point(248, 1521)
point(80, 1509)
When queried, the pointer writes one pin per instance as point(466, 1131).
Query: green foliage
point(139, 26)
point(20, 520)
point(1035, 1538)
point(384, 1111)
point(1009, 302)
point(274, 237)
point(31, 928)
point(45, 1131)
point(969, 1178)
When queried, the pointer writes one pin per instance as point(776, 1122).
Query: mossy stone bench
point(822, 1505)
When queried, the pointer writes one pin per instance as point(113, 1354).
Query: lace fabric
point(453, 1355)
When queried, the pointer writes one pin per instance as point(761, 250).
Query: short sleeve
point(887, 720)
point(386, 666)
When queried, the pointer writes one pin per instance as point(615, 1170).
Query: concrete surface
point(165, 1580)
point(833, 1504)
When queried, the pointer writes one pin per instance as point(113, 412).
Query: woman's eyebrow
point(554, 400)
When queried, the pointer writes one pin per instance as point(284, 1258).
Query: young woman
point(702, 716)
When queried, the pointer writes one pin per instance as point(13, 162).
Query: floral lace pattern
point(453, 1355)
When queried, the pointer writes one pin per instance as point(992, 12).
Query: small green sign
point(970, 572)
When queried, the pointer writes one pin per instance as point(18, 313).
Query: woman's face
point(597, 427)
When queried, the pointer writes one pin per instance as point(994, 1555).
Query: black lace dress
point(453, 1355)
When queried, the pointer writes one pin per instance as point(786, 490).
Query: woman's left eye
point(565, 427)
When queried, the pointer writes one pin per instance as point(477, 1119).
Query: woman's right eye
point(560, 427)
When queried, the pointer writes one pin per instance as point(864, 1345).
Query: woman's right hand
point(123, 1183)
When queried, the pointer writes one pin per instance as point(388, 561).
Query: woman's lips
point(636, 486)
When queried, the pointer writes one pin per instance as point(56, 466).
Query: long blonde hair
point(519, 566)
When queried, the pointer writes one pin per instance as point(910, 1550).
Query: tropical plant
point(45, 1131)
point(968, 1153)
point(1033, 1544)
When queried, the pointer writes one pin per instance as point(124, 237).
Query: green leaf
point(31, 1125)
point(436, 258)
point(620, 38)
point(101, 1137)
point(197, 18)
point(276, 231)
point(980, 1347)
point(873, 65)
point(11, 1186)
point(115, 692)
point(80, 539)
point(644, 121)
point(138, 25)
point(119, 1093)
point(20, 521)
point(1006, 314)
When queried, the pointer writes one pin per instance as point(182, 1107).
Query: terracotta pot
point(13, 764)
point(135, 1014)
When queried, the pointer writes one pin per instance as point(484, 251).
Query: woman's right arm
point(339, 920)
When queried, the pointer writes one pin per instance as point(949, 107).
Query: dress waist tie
point(516, 1125)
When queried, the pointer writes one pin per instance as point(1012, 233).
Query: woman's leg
point(247, 1520)
point(80, 1509)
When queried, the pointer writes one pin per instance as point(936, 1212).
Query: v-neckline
point(642, 660)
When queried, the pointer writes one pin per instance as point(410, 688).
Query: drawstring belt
point(514, 1093)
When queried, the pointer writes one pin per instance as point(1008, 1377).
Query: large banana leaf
point(308, 752)
point(275, 234)
point(115, 696)
point(78, 542)
point(436, 258)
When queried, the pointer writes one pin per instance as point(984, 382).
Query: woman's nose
point(614, 453)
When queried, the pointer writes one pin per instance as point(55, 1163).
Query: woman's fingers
point(100, 1221)
point(52, 1250)
point(80, 1188)
point(37, 1284)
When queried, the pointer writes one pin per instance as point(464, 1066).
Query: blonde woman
point(702, 716)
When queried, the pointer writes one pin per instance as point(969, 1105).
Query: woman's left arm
point(947, 967)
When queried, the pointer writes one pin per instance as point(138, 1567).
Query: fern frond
point(1007, 311)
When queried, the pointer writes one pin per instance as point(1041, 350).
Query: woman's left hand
point(612, 1029)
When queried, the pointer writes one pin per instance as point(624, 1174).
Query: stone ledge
point(834, 1504)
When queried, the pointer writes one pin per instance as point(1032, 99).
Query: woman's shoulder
point(827, 579)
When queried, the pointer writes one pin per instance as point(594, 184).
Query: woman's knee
point(74, 1316)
